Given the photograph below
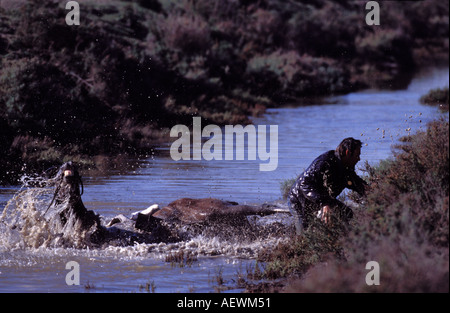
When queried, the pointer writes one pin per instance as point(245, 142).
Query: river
point(377, 117)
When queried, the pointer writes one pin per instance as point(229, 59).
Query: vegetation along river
point(378, 117)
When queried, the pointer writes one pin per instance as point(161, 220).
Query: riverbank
point(116, 84)
point(402, 225)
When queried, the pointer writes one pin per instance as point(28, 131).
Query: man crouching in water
point(319, 185)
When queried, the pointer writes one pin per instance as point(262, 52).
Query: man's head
point(349, 151)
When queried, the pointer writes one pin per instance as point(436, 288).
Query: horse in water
point(69, 188)
point(176, 221)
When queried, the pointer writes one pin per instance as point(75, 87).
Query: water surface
point(377, 117)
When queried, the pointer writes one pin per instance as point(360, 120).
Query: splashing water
point(35, 247)
point(27, 222)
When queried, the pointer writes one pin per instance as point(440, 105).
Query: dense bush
point(403, 225)
point(438, 96)
point(132, 69)
point(415, 187)
point(285, 75)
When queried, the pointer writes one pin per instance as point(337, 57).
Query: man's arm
point(356, 183)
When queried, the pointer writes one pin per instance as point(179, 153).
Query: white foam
point(29, 233)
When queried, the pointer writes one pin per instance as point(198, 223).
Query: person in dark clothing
point(318, 186)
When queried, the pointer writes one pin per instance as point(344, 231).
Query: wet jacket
point(324, 180)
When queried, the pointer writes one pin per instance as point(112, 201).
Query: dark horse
point(69, 187)
point(68, 191)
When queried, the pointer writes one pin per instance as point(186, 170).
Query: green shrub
point(223, 60)
point(187, 32)
point(318, 243)
point(327, 31)
point(386, 46)
point(438, 96)
point(416, 184)
point(403, 225)
point(287, 75)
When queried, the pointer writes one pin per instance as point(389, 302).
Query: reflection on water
point(378, 118)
